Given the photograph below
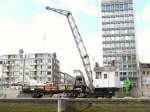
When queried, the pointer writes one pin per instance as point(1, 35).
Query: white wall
point(111, 81)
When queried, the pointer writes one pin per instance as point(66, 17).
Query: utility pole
point(61, 105)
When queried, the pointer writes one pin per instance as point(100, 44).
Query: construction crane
point(79, 88)
point(79, 42)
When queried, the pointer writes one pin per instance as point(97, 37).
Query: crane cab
point(105, 81)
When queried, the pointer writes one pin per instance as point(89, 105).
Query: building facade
point(145, 70)
point(118, 34)
point(65, 78)
point(145, 78)
point(22, 68)
point(105, 77)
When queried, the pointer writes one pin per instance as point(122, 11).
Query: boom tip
point(47, 7)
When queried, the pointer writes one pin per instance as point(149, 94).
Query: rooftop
point(108, 1)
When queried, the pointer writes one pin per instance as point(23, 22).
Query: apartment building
point(22, 68)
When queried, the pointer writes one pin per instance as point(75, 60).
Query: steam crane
point(101, 87)
point(79, 42)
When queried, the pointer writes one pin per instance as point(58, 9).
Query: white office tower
point(118, 33)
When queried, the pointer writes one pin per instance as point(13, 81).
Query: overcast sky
point(26, 24)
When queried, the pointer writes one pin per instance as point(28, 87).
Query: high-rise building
point(118, 34)
point(22, 68)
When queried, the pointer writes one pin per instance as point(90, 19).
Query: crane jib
point(79, 42)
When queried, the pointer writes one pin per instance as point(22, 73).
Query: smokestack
point(96, 64)
point(113, 63)
point(21, 53)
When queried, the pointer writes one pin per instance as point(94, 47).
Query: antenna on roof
point(44, 43)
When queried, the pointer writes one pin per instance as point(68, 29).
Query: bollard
point(61, 105)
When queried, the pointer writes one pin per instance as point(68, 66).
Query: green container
point(127, 87)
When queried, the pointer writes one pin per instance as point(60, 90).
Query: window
point(129, 58)
point(105, 76)
point(130, 73)
point(48, 73)
point(31, 73)
point(112, 32)
point(44, 67)
point(49, 61)
point(124, 74)
point(112, 45)
point(116, 74)
point(27, 73)
point(122, 45)
point(118, 59)
point(124, 67)
point(45, 55)
point(130, 6)
point(39, 55)
point(108, 8)
point(117, 45)
point(49, 79)
point(104, 58)
point(126, 44)
point(103, 7)
point(121, 6)
point(44, 61)
point(104, 38)
point(117, 38)
point(98, 75)
point(112, 6)
point(125, 6)
point(134, 74)
point(147, 72)
point(49, 67)
point(43, 73)
point(116, 6)
point(104, 45)
point(132, 44)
